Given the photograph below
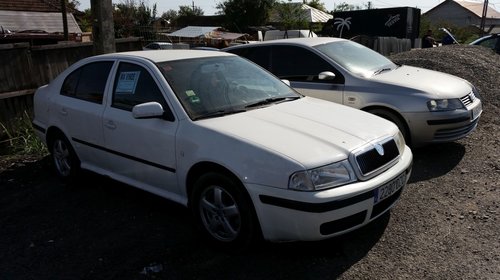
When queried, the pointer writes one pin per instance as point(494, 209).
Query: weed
point(21, 138)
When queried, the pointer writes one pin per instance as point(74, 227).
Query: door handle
point(63, 112)
point(110, 125)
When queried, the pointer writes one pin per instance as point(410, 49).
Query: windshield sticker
point(127, 81)
point(190, 93)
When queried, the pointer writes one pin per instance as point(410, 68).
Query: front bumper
point(287, 215)
point(448, 126)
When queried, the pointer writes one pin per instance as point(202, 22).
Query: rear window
point(88, 82)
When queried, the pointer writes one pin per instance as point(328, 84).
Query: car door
point(79, 108)
point(142, 151)
point(302, 68)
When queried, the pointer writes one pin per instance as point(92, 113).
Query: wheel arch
point(403, 121)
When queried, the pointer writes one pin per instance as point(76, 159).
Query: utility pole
point(483, 18)
point(103, 29)
point(65, 20)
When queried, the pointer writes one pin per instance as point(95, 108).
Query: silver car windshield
point(217, 86)
point(356, 58)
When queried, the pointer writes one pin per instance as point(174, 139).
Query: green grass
point(18, 138)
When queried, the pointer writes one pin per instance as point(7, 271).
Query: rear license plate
point(389, 188)
point(476, 111)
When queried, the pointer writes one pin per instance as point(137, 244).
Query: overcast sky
point(208, 6)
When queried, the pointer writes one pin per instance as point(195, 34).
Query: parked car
point(427, 106)
point(491, 41)
point(158, 46)
point(216, 133)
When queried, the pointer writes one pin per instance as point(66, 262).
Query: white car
point(216, 133)
point(427, 106)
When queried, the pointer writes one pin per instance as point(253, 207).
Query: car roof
point(164, 55)
point(308, 41)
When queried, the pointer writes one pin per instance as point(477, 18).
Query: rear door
point(301, 67)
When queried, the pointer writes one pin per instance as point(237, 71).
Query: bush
point(21, 138)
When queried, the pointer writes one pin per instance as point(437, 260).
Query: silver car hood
point(437, 84)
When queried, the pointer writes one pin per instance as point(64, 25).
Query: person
point(428, 41)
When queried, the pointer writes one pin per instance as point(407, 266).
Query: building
point(463, 13)
point(36, 21)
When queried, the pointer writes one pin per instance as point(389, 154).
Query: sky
point(208, 6)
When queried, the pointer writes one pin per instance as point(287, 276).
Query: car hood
point(310, 131)
point(437, 84)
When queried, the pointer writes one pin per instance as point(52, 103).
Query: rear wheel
point(223, 211)
point(66, 163)
point(390, 116)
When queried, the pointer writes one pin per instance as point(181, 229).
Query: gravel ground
point(446, 225)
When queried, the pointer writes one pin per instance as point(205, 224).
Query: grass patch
point(21, 138)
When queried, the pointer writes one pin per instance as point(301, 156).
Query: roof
point(308, 13)
point(477, 8)
point(50, 22)
point(166, 55)
point(32, 5)
point(310, 42)
point(225, 35)
point(193, 31)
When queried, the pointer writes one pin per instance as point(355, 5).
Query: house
point(212, 36)
point(463, 13)
point(36, 21)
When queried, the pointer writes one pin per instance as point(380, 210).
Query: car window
point(259, 55)
point(87, 82)
point(299, 64)
point(134, 85)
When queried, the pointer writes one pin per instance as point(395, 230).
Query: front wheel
point(390, 116)
point(223, 210)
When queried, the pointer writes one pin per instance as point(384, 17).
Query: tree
point(317, 4)
point(342, 7)
point(241, 14)
point(130, 15)
point(170, 15)
point(290, 15)
point(188, 11)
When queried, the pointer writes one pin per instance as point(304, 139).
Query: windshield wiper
point(219, 113)
point(272, 100)
point(381, 70)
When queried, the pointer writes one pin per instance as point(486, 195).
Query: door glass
point(88, 82)
point(134, 85)
point(300, 65)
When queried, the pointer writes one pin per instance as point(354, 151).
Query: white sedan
point(246, 153)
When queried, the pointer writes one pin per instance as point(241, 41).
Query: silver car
point(427, 106)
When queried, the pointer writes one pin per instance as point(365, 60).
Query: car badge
point(379, 148)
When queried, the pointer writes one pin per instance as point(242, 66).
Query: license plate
point(476, 111)
point(389, 188)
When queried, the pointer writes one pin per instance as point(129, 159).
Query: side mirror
point(326, 75)
point(147, 110)
point(286, 82)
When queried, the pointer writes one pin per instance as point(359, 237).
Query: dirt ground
point(446, 225)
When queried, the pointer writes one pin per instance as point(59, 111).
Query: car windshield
point(216, 86)
point(356, 58)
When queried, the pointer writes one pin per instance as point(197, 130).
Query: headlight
point(400, 142)
point(332, 175)
point(444, 104)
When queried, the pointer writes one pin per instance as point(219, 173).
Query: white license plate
point(389, 188)
point(476, 111)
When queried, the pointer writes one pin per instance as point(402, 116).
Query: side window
point(258, 55)
point(134, 85)
point(88, 82)
point(299, 64)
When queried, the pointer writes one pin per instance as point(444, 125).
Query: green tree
point(130, 15)
point(317, 4)
point(170, 15)
point(241, 14)
point(290, 15)
point(342, 7)
point(188, 11)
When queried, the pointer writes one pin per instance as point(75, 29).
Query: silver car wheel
point(220, 214)
point(62, 157)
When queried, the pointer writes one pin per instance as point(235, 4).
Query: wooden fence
point(23, 69)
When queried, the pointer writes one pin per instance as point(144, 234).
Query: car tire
point(66, 162)
point(223, 211)
point(390, 116)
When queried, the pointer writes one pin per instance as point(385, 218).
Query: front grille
point(468, 99)
point(371, 160)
